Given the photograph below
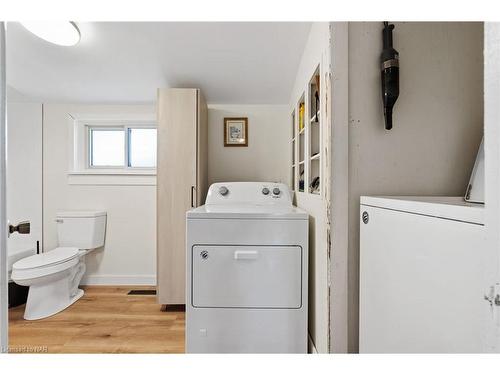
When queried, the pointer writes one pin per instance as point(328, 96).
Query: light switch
point(203, 332)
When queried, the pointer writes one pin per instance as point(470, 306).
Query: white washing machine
point(423, 276)
point(247, 257)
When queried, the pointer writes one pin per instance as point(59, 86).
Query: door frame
point(492, 164)
point(339, 194)
point(4, 320)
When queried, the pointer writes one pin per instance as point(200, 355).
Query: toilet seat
point(50, 262)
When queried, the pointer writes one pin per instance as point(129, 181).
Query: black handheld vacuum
point(390, 74)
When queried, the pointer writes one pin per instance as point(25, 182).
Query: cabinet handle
point(192, 196)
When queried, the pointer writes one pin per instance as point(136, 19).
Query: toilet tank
point(81, 229)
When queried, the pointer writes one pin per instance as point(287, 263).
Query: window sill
point(112, 177)
point(117, 172)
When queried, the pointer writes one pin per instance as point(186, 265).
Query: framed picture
point(235, 131)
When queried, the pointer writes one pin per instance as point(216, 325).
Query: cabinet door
point(176, 187)
point(421, 284)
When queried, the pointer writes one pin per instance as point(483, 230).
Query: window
point(142, 148)
point(121, 147)
point(112, 148)
point(106, 147)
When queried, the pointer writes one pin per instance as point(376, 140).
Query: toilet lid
point(49, 258)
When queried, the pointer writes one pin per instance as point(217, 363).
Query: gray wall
point(438, 120)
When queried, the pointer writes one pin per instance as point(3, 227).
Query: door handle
point(192, 196)
point(245, 255)
point(23, 227)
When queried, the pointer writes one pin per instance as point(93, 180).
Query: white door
point(24, 175)
point(21, 186)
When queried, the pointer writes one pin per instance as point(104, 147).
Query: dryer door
point(260, 277)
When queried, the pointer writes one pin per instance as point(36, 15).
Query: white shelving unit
point(306, 139)
point(314, 111)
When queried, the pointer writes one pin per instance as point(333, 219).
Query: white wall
point(317, 48)
point(129, 255)
point(265, 159)
point(438, 120)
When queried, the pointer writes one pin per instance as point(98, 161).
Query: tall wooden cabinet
point(181, 183)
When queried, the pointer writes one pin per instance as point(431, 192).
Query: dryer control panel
point(249, 193)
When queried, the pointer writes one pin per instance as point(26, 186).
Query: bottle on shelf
point(301, 116)
point(316, 96)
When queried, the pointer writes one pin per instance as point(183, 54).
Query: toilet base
point(46, 300)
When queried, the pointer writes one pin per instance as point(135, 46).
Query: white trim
point(79, 172)
point(112, 179)
point(149, 280)
point(116, 172)
point(131, 118)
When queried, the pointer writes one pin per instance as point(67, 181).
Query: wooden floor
point(104, 320)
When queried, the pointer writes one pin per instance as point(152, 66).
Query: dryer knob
point(265, 191)
point(223, 190)
point(276, 191)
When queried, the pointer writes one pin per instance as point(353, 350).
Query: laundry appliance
point(425, 277)
point(247, 260)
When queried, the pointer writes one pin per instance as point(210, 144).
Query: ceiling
point(124, 62)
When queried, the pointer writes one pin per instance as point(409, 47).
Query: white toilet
point(53, 276)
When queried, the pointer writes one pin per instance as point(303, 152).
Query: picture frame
point(235, 132)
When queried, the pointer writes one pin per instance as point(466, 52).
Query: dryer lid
point(50, 258)
point(267, 212)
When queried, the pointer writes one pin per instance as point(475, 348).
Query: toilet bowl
point(53, 276)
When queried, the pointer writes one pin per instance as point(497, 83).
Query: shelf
point(315, 157)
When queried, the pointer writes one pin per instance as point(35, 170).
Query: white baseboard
point(119, 280)
point(312, 347)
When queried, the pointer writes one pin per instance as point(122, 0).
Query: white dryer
point(247, 258)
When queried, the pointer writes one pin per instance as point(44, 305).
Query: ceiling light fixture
point(63, 33)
